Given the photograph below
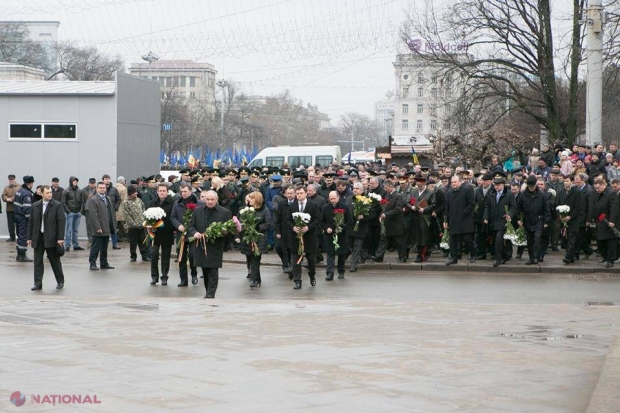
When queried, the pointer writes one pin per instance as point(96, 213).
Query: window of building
point(433, 125)
point(446, 124)
point(405, 108)
point(434, 92)
point(419, 125)
point(324, 160)
point(405, 124)
point(420, 108)
point(433, 110)
point(420, 77)
point(434, 78)
point(192, 95)
point(192, 82)
point(405, 92)
point(420, 92)
point(175, 81)
point(449, 92)
point(182, 84)
point(45, 131)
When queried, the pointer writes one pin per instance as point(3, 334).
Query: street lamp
point(223, 84)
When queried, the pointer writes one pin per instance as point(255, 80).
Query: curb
point(605, 397)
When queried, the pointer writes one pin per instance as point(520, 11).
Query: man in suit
point(308, 233)
point(534, 206)
point(394, 222)
point(575, 200)
point(500, 207)
point(281, 230)
point(164, 237)
point(102, 223)
point(460, 206)
point(209, 252)
point(46, 232)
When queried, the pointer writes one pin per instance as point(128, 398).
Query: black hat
point(196, 178)
point(131, 190)
point(245, 169)
point(28, 179)
point(93, 180)
point(430, 181)
point(193, 172)
point(184, 171)
point(419, 177)
point(330, 174)
point(500, 174)
point(299, 174)
point(555, 171)
point(372, 173)
point(343, 179)
point(487, 177)
point(499, 180)
point(133, 182)
point(150, 179)
point(442, 177)
point(531, 180)
point(285, 171)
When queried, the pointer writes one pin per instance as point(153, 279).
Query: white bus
point(296, 156)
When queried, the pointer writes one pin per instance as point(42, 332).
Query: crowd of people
point(338, 214)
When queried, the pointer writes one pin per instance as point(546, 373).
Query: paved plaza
point(380, 340)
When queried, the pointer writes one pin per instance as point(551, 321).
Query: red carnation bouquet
point(338, 221)
point(603, 220)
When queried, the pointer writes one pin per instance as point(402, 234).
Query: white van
point(296, 156)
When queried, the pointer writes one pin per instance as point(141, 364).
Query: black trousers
point(54, 259)
point(284, 253)
point(571, 244)
point(166, 251)
point(331, 258)
point(184, 255)
point(99, 247)
point(211, 277)
point(608, 249)
point(10, 219)
point(310, 258)
point(502, 249)
point(253, 263)
point(399, 242)
point(456, 240)
point(584, 240)
point(481, 239)
point(533, 243)
point(136, 240)
point(22, 233)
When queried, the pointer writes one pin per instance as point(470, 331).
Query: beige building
point(13, 71)
point(187, 79)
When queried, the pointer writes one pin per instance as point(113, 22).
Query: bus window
point(296, 161)
point(324, 160)
point(274, 161)
point(256, 162)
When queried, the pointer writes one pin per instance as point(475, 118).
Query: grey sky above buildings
point(335, 54)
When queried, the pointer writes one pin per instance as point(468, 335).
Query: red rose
point(412, 201)
point(384, 201)
point(602, 217)
point(191, 206)
point(338, 211)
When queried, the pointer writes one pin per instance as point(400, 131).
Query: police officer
point(23, 205)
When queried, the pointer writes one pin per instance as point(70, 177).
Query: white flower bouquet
point(564, 211)
point(154, 219)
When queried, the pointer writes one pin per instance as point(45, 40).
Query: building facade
point(13, 71)
point(189, 80)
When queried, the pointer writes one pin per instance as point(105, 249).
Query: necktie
point(43, 217)
point(497, 197)
point(301, 207)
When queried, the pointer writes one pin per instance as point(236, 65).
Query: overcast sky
point(336, 54)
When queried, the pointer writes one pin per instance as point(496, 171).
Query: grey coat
point(99, 216)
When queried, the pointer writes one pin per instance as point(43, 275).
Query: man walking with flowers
point(164, 237)
point(335, 218)
point(572, 201)
point(303, 220)
point(181, 216)
point(605, 214)
point(499, 210)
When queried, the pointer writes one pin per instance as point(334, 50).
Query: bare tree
point(506, 49)
point(15, 47)
point(85, 63)
point(358, 128)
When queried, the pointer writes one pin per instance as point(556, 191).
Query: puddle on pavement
point(543, 334)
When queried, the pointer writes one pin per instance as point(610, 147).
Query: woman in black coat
point(256, 201)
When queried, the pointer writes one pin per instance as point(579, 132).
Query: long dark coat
point(165, 234)
point(421, 230)
point(280, 223)
point(606, 203)
point(263, 223)
point(460, 206)
point(481, 200)
point(99, 216)
point(201, 219)
point(577, 202)
point(327, 221)
point(362, 228)
point(54, 224)
point(310, 238)
point(495, 210)
point(535, 209)
point(394, 219)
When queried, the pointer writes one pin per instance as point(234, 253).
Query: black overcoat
point(576, 201)
point(262, 225)
point(165, 234)
point(201, 219)
point(605, 203)
point(394, 219)
point(310, 238)
point(495, 210)
point(460, 206)
point(534, 206)
point(54, 224)
point(327, 221)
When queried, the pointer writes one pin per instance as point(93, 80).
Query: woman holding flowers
point(208, 252)
point(335, 218)
point(255, 219)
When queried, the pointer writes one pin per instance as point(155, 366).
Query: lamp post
point(222, 84)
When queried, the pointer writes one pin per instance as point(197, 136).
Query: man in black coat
point(606, 216)
point(310, 243)
point(534, 206)
point(209, 253)
point(501, 207)
point(328, 225)
point(164, 237)
point(584, 236)
point(394, 222)
point(282, 231)
point(176, 219)
point(46, 232)
point(460, 206)
point(373, 238)
point(357, 236)
point(481, 196)
point(575, 200)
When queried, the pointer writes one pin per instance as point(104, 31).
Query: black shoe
point(518, 256)
point(182, 284)
point(555, 249)
point(362, 260)
point(472, 259)
point(533, 261)
point(209, 296)
point(503, 261)
point(116, 247)
point(290, 275)
point(376, 259)
point(194, 280)
point(451, 261)
point(565, 261)
point(353, 269)
point(248, 276)
point(154, 281)
point(496, 263)
point(445, 254)
point(254, 284)
point(297, 285)
point(609, 264)
point(541, 259)
point(312, 280)
point(418, 259)
point(60, 286)
point(67, 249)
point(329, 277)
point(147, 259)
point(340, 276)
point(36, 288)
point(10, 240)
point(132, 260)
point(78, 248)
point(481, 257)
point(93, 267)
point(164, 282)
point(107, 267)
